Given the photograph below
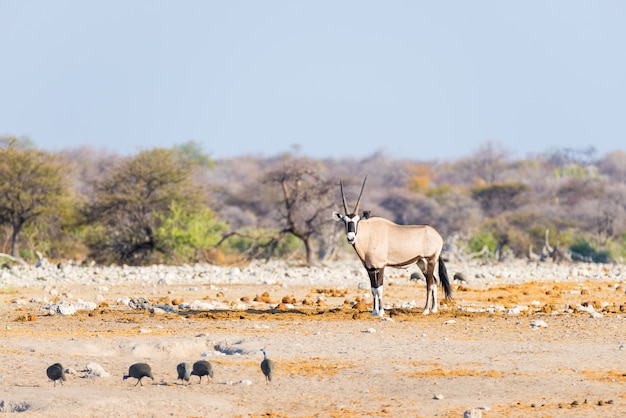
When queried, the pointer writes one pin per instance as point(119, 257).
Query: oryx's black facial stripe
point(351, 226)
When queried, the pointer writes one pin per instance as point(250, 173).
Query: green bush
point(477, 242)
point(588, 251)
point(182, 234)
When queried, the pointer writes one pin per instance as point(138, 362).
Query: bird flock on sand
point(184, 370)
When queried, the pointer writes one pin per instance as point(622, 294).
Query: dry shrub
point(26, 317)
point(336, 293)
point(360, 305)
point(289, 299)
point(265, 297)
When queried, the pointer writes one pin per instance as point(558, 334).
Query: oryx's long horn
point(358, 201)
point(343, 196)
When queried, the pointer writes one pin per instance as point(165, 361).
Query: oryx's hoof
point(380, 312)
point(426, 311)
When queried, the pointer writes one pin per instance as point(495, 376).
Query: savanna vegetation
point(178, 205)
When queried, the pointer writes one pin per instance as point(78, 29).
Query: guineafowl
point(139, 371)
point(184, 371)
point(56, 372)
point(267, 367)
point(202, 368)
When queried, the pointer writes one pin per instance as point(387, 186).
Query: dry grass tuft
point(316, 366)
point(439, 372)
point(611, 376)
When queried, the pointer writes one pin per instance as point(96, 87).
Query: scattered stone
point(409, 305)
point(438, 396)
point(96, 370)
point(538, 323)
point(236, 348)
point(140, 303)
point(512, 311)
point(12, 407)
point(473, 413)
point(62, 308)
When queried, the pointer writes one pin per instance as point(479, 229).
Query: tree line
point(178, 205)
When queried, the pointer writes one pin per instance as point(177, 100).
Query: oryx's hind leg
point(431, 288)
point(376, 280)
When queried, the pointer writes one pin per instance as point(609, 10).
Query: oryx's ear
point(337, 216)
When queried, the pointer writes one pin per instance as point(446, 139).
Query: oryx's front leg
point(376, 280)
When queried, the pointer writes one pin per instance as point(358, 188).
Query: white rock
point(81, 305)
point(199, 305)
point(538, 323)
point(62, 309)
point(96, 370)
point(409, 305)
point(370, 331)
point(158, 310)
point(473, 413)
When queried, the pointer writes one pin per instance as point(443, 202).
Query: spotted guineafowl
point(267, 367)
point(56, 372)
point(139, 371)
point(184, 371)
point(202, 368)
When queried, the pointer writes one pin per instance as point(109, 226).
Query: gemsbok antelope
point(381, 243)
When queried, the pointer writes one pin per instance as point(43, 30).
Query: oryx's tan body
point(381, 242)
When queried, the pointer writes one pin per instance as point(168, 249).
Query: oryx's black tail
point(443, 277)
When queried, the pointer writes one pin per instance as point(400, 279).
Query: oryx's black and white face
point(351, 222)
point(350, 219)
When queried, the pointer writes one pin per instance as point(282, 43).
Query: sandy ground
point(333, 359)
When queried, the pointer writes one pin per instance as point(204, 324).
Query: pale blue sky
point(414, 79)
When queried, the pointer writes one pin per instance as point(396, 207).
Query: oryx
point(380, 242)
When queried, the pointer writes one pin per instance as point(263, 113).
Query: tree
point(487, 164)
point(135, 200)
point(497, 198)
point(306, 200)
point(33, 183)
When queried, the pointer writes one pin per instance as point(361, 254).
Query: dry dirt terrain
point(508, 346)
